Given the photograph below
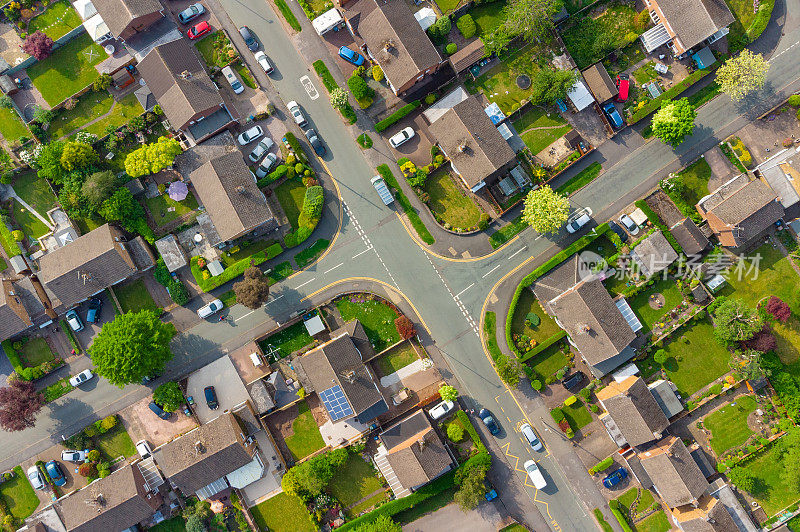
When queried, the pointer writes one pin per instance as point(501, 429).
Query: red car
point(198, 30)
point(623, 86)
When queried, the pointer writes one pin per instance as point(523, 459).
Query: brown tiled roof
point(599, 82)
point(558, 280)
point(82, 268)
point(118, 14)
point(176, 76)
point(752, 208)
point(689, 237)
point(116, 502)
point(221, 451)
point(410, 51)
point(693, 21)
point(14, 317)
point(230, 195)
point(467, 56)
point(674, 472)
point(470, 140)
point(634, 410)
point(654, 254)
point(415, 451)
point(710, 516)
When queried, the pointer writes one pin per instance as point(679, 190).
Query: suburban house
point(600, 83)
point(654, 254)
point(126, 18)
point(186, 93)
point(710, 515)
point(740, 211)
point(476, 149)
point(232, 199)
point(411, 454)
point(21, 308)
point(336, 371)
point(600, 328)
point(674, 473)
point(633, 411)
point(117, 502)
point(683, 25)
point(782, 173)
point(90, 264)
point(396, 41)
point(211, 458)
point(689, 237)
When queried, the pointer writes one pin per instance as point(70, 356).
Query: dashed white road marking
point(464, 290)
point(305, 283)
point(360, 253)
point(331, 269)
point(459, 303)
point(308, 85)
point(273, 300)
point(490, 271)
point(367, 242)
point(517, 252)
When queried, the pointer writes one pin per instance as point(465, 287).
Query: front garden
point(688, 187)
point(35, 351)
point(448, 202)
point(18, 496)
point(306, 438)
point(134, 297)
point(531, 325)
point(286, 341)
point(217, 50)
point(398, 357)
point(291, 194)
point(376, 316)
point(539, 128)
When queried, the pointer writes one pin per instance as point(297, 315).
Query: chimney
point(198, 447)
point(349, 376)
point(240, 189)
point(186, 74)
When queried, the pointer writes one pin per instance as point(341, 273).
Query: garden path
point(373, 494)
point(541, 127)
point(45, 221)
point(90, 122)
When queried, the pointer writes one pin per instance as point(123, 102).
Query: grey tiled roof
point(654, 254)
point(118, 14)
point(689, 237)
point(715, 519)
point(695, 20)
point(634, 410)
point(14, 317)
point(467, 56)
point(558, 280)
point(415, 451)
point(599, 82)
point(753, 208)
point(674, 472)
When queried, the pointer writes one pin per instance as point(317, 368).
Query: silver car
point(629, 224)
point(74, 456)
point(266, 165)
point(36, 478)
point(263, 146)
point(297, 114)
point(250, 135)
point(263, 62)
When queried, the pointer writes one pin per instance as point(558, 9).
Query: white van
point(535, 474)
point(236, 85)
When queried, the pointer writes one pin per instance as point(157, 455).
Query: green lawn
point(539, 139)
point(19, 496)
point(35, 351)
point(306, 438)
point(549, 361)
point(396, 358)
point(219, 56)
point(32, 226)
point(581, 179)
point(35, 191)
point(487, 16)
point(58, 19)
point(376, 317)
point(775, 277)
point(695, 178)
point(640, 303)
point(499, 84)
point(367, 504)
point(507, 232)
point(229, 259)
point(115, 443)
point(526, 305)
point(658, 522)
point(645, 73)
point(288, 340)
point(11, 125)
point(176, 524)
point(692, 363)
point(354, 480)
point(627, 56)
point(577, 414)
point(85, 225)
point(447, 5)
point(728, 425)
point(787, 336)
point(134, 297)
point(772, 493)
point(290, 195)
point(616, 24)
point(90, 106)
point(626, 500)
point(283, 513)
point(68, 69)
point(450, 203)
point(516, 527)
point(743, 11)
point(122, 113)
point(164, 209)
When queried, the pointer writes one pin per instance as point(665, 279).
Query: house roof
point(221, 450)
point(752, 209)
point(693, 21)
point(14, 316)
point(558, 280)
point(115, 502)
point(415, 451)
point(599, 82)
point(467, 56)
point(710, 516)
point(230, 195)
point(654, 254)
point(634, 410)
point(674, 472)
point(471, 141)
point(689, 237)
point(396, 40)
point(118, 14)
point(91, 263)
point(176, 77)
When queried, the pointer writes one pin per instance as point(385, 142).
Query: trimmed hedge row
point(669, 94)
point(614, 505)
point(273, 176)
point(13, 356)
point(413, 216)
point(602, 465)
point(310, 214)
point(231, 272)
point(544, 345)
point(602, 520)
point(9, 244)
point(330, 84)
point(176, 290)
point(470, 428)
point(656, 221)
point(761, 20)
point(397, 115)
point(294, 144)
point(71, 336)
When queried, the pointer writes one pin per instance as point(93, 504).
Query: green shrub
point(466, 25)
point(571, 400)
point(558, 415)
point(543, 345)
point(451, 48)
point(599, 515)
point(536, 385)
point(17, 235)
point(377, 73)
point(602, 465)
point(313, 202)
point(455, 432)
point(9, 244)
point(794, 100)
point(94, 455)
point(296, 147)
point(109, 422)
point(273, 176)
point(359, 88)
point(397, 115)
point(670, 94)
point(614, 505)
point(430, 98)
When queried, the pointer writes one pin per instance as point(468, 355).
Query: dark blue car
point(613, 115)
point(615, 478)
point(489, 421)
point(55, 473)
point(351, 56)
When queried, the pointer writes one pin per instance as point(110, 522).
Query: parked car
point(297, 114)
point(575, 225)
point(143, 448)
point(623, 87)
point(210, 309)
point(93, 314)
point(74, 321)
point(613, 115)
point(489, 421)
point(263, 62)
point(149, 378)
point(211, 397)
point(440, 410)
point(233, 81)
point(620, 232)
point(351, 56)
point(629, 224)
point(535, 474)
point(250, 135)
point(55, 473)
point(491, 493)
point(266, 165)
point(615, 478)
point(157, 410)
point(313, 139)
point(74, 456)
point(263, 146)
point(383, 190)
point(36, 478)
point(191, 13)
point(530, 437)
point(571, 381)
point(198, 30)
point(249, 38)
point(84, 376)
point(401, 137)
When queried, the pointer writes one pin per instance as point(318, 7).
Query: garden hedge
point(470, 428)
point(761, 19)
point(232, 272)
point(293, 143)
point(397, 115)
point(273, 176)
point(310, 214)
point(544, 345)
point(71, 335)
point(325, 75)
point(13, 356)
point(656, 221)
point(669, 94)
point(602, 465)
point(11, 246)
point(614, 505)
point(413, 216)
point(602, 520)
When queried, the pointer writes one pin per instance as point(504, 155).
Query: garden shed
point(600, 83)
point(85, 9)
point(171, 252)
point(704, 58)
point(580, 96)
point(426, 17)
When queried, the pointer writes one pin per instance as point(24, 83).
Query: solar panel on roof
point(628, 314)
point(336, 403)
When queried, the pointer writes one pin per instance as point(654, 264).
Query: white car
point(234, 82)
point(575, 225)
point(84, 376)
point(629, 224)
point(74, 456)
point(250, 135)
point(441, 410)
point(266, 165)
point(535, 474)
point(263, 62)
point(297, 114)
point(401, 137)
point(210, 309)
point(143, 449)
point(263, 146)
point(35, 476)
point(530, 437)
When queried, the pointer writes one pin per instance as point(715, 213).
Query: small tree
point(778, 309)
point(94, 455)
point(103, 82)
point(38, 45)
point(747, 365)
point(78, 155)
point(674, 121)
point(743, 74)
point(466, 25)
point(469, 479)
point(763, 341)
point(736, 322)
point(19, 404)
point(152, 158)
point(509, 369)
point(531, 19)
point(550, 84)
point(742, 479)
point(405, 327)
point(545, 210)
point(42, 116)
point(660, 357)
point(377, 73)
point(169, 396)
point(338, 98)
point(253, 290)
point(455, 432)
point(448, 393)
point(87, 469)
point(360, 88)
point(99, 186)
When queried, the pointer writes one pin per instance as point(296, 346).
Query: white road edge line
point(359, 254)
point(305, 283)
point(464, 290)
point(328, 271)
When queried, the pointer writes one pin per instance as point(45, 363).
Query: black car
point(313, 139)
point(157, 410)
point(489, 421)
point(211, 397)
point(620, 232)
point(571, 381)
point(249, 39)
point(93, 315)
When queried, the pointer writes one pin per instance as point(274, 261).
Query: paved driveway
point(90, 330)
point(485, 518)
point(222, 375)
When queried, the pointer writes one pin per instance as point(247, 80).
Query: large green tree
point(545, 210)
point(78, 155)
point(674, 121)
point(133, 346)
point(530, 19)
point(550, 84)
point(743, 74)
point(735, 322)
point(99, 186)
point(49, 161)
point(152, 158)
